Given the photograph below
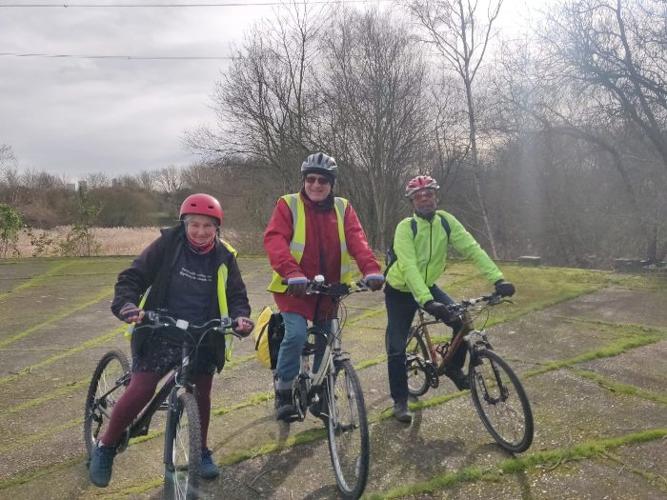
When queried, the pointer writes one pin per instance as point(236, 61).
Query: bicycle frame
point(177, 378)
point(332, 351)
point(309, 383)
point(462, 335)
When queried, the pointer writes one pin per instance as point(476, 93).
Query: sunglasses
point(311, 179)
point(423, 193)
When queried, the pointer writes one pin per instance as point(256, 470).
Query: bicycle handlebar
point(155, 320)
point(320, 287)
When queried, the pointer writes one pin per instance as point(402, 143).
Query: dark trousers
point(401, 309)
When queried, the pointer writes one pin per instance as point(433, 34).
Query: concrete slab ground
point(593, 365)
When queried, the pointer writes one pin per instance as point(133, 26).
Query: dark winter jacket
point(155, 265)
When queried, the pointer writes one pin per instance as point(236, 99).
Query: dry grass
point(126, 240)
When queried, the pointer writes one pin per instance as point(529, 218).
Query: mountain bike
point(329, 385)
point(182, 445)
point(497, 393)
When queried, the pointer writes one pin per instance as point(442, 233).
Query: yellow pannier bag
point(261, 335)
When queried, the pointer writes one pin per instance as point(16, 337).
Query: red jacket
point(321, 254)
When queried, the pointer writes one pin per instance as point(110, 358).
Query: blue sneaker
point(101, 463)
point(207, 468)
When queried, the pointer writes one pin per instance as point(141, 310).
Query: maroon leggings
point(138, 394)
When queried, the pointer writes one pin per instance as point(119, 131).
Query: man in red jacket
point(310, 233)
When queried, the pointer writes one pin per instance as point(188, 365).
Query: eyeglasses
point(311, 179)
point(424, 193)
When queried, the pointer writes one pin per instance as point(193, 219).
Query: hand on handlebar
point(131, 313)
point(243, 326)
point(297, 286)
point(374, 281)
point(439, 310)
point(504, 288)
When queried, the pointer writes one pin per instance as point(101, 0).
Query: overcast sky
point(75, 116)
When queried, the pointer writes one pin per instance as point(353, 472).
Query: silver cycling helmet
point(320, 163)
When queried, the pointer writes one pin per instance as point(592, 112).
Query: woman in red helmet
point(177, 274)
point(418, 259)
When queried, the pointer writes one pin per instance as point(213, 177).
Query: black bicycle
point(182, 449)
point(334, 391)
point(497, 393)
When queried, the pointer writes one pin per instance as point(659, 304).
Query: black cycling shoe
point(460, 379)
point(285, 409)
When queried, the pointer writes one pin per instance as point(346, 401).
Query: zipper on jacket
point(430, 250)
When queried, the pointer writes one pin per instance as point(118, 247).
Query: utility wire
point(91, 56)
point(183, 5)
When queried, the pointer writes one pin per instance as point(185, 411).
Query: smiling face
point(424, 201)
point(201, 229)
point(317, 187)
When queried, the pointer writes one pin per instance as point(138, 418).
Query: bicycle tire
point(182, 452)
point(108, 373)
point(347, 430)
point(415, 348)
point(506, 413)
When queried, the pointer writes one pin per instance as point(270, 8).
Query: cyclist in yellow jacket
point(418, 259)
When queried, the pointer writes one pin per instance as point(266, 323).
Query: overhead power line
point(181, 5)
point(110, 56)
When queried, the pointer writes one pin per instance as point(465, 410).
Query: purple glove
point(374, 281)
point(131, 313)
point(297, 286)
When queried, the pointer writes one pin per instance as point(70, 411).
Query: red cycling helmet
point(201, 204)
point(420, 182)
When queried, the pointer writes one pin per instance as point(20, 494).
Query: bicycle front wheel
point(182, 453)
point(417, 357)
point(347, 428)
point(110, 379)
point(501, 401)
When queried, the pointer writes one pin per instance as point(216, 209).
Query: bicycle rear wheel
point(417, 357)
point(110, 379)
point(501, 401)
point(347, 429)
point(182, 452)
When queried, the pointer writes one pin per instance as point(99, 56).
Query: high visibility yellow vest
point(222, 300)
point(298, 243)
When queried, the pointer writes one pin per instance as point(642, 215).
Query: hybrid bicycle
point(499, 398)
point(182, 446)
point(328, 385)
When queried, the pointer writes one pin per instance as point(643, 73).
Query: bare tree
point(7, 158)
point(614, 47)
point(169, 179)
point(97, 180)
point(262, 101)
point(580, 133)
point(376, 119)
point(461, 36)
point(146, 180)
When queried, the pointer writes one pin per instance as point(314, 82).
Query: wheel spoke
point(501, 402)
point(106, 387)
point(348, 431)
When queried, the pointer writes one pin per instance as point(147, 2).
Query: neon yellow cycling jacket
point(422, 254)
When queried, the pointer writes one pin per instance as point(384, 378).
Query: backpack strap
point(445, 226)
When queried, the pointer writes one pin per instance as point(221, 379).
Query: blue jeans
point(401, 309)
point(291, 347)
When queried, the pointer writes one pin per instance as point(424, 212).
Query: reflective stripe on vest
point(298, 243)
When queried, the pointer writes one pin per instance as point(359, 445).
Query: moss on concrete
point(587, 450)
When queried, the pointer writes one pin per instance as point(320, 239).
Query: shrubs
point(10, 225)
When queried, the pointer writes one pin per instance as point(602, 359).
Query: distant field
point(118, 240)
